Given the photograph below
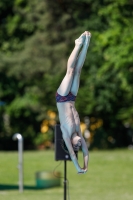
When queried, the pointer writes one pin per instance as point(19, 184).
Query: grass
point(110, 176)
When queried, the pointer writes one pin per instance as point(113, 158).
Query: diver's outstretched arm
point(85, 151)
point(71, 151)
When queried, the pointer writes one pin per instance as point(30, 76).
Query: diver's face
point(76, 143)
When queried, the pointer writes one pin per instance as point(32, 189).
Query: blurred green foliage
point(36, 38)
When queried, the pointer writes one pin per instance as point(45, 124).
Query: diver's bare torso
point(69, 117)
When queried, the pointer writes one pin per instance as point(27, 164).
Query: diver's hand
point(82, 171)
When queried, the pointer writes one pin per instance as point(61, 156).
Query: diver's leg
point(79, 65)
point(66, 83)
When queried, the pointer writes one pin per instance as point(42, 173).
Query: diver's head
point(76, 142)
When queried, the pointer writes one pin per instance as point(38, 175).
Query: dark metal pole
point(65, 179)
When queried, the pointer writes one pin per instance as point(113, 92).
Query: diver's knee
point(77, 72)
point(70, 71)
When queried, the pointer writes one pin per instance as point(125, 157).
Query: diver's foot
point(87, 33)
point(80, 40)
point(88, 37)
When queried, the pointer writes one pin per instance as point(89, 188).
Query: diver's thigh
point(66, 83)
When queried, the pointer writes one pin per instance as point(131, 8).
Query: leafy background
point(36, 38)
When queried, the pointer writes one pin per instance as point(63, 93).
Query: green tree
point(109, 83)
point(36, 38)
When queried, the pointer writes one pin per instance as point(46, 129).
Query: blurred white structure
point(18, 136)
